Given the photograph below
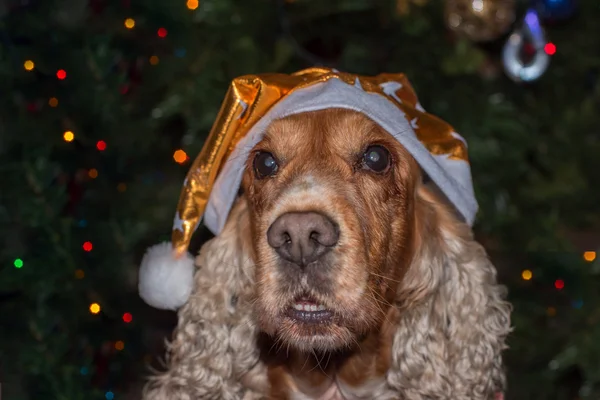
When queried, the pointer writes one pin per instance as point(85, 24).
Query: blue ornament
point(556, 10)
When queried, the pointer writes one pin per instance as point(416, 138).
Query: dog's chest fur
point(338, 390)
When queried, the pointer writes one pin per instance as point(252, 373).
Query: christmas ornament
point(252, 102)
point(530, 34)
point(480, 20)
point(555, 10)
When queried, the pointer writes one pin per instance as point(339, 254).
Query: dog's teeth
point(313, 308)
point(321, 307)
point(306, 307)
point(298, 307)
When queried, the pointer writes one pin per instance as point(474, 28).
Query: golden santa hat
point(250, 105)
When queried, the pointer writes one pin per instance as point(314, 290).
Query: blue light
point(82, 223)
point(180, 52)
point(109, 395)
point(83, 371)
point(577, 304)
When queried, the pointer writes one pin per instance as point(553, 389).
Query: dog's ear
point(214, 344)
point(455, 318)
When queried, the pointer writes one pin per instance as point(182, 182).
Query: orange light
point(93, 173)
point(192, 4)
point(119, 345)
point(129, 23)
point(87, 246)
point(551, 311)
point(526, 274)
point(29, 65)
point(589, 256)
point(79, 274)
point(180, 156)
point(154, 60)
point(95, 308)
point(121, 187)
point(53, 102)
point(68, 136)
point(61, 74)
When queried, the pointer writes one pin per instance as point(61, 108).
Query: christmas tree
point(104, 103)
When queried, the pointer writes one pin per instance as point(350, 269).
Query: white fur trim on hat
point(166, 282)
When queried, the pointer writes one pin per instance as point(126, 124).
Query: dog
point(341, 274)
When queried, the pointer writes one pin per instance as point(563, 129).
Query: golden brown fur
point(418, 312)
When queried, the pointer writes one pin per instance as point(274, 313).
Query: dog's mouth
point(307, 310)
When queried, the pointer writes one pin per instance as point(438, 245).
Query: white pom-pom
point(165, 282)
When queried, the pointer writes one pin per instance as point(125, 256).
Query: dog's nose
point(302, 237)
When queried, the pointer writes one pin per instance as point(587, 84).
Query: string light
point(93, 173)
point(94, 308)
point(79, 274)
point(180, 156)
point(154, 60)
point(87, 246)
point(559, 284)
point(109, 395)
point(68, 136)
point(18, 263)
point(526, 274)
point(61, 74)
point(162, 32)
point(589, 256)
point(550, 49)
point(101, 145)
point(121, 187)
point(129, 23)
point(192, 4)
point(119, 345)
point(53, 102)
point(29, 65)
point(127, 317)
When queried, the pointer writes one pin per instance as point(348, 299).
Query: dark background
point(134, 96)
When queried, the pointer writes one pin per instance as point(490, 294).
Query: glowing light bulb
point(559, 284)
point(68, 136)
point(129, 23)
point(93, 173)
point(119, 345)
point(94, 308)
point(101, 145)
point(18, 263)
point(589, 256)
point(29, 65)
point(154, 60)
point(162, 32)
point(192, 4)
point(87, 246)
point(53, 102)
point(550, 49)
point(61, 74)
point(526, 274)
point(180, 156)
point(127, 317)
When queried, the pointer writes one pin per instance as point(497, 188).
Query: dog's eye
point(264, 165)
point(376, 158)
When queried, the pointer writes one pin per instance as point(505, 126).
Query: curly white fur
point(448, 344)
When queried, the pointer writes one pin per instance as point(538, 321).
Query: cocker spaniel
point(341, 273)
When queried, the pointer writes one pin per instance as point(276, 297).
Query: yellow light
point(551, 311)
point(119, 345)
point(68, 136)
point(53, 102)
point(93, 173)
point(192, 4)
point(153, 60)
point(589, 256)
point(526, 274)
point(79, 274)
point(129, 23)
point(179, 156)
point(121, 187)
point(95, 308)
point(29, 65)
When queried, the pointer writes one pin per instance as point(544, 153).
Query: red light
point(61, 74)
point(127, 317)
point(101, 145)
point(559, 284)
point(550, 49)
point(162, 32)
point(87, 246)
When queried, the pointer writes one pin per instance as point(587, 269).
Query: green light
point(18, 263)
